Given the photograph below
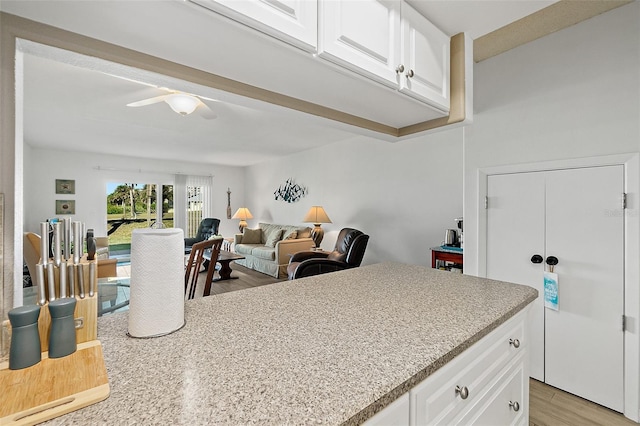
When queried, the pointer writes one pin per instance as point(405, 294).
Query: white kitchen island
point(331, 349)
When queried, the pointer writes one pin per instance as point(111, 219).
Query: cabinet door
point(397, 414)
point(505, 403)
point(584, 340)
point(516, 232)
point(425, 58)
point(292, 21)
point(363, 36)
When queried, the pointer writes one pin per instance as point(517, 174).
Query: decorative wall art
point(290, 191)
point(228, 203)
point(65, 207)
point(65, 186)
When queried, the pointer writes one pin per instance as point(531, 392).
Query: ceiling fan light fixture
point(182, 104)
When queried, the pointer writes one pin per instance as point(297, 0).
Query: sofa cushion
point(273, 237)
point(304, 232)
point(245, 248)
point(289, 234)
point(263, 252)
point(252, 236)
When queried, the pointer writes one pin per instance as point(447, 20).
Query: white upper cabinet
point(425, 59)
point(390, 42)
point(292, 21)
point(363, 36)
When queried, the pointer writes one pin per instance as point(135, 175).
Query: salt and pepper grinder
point(25, 338)
point(62, 339)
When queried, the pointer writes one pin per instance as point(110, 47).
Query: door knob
point(399, 69)
point(536, 258)
point(410, 74)
point(552, 261)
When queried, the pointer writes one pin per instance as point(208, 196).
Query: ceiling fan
point(181, 102)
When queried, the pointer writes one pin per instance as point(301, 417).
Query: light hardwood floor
point(548, 406)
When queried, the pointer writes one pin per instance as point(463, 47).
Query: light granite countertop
point(331, 349)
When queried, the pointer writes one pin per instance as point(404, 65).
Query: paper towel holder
point(158, 335)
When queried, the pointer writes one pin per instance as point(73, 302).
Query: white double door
point(575, 215)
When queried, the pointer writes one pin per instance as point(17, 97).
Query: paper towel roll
point(156, 304)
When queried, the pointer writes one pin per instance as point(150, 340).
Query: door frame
point(631, 164)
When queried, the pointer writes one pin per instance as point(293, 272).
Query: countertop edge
point(418, 377)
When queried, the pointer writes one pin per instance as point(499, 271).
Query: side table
point(446, 254)
point(227, 244)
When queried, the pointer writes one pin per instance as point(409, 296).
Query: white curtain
point(180, 198)
point(206, 187)
point(180, 202)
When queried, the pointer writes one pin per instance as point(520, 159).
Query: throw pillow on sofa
point(252, 236)
point(273, 238)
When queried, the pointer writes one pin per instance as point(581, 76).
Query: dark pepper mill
point(62, 339)
point(25, 338)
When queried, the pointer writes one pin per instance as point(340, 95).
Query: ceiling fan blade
point(208, 99)
point(206, 112)
point(148, 101)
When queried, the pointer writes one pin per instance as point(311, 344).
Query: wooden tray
point(53, 387)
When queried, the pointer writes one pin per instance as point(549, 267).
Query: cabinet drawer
point(435, 400)
point(504, 402)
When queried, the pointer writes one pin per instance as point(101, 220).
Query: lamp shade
point(316, 214)
point(182, 104)
point(242, 213)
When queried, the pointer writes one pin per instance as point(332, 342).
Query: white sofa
point(269, 247)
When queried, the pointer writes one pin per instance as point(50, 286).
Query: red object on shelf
point(445, 256)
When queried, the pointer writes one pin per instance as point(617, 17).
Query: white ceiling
point(70, 104)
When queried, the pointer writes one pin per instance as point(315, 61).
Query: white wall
point(404, 194)
point(572, 94)
point(42, 167)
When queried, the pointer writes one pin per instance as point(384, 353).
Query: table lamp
point(243, 214)
point(317, 215)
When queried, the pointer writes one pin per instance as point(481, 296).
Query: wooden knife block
point(85, 314)
point(47, 389)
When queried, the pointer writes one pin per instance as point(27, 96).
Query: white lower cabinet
point(487, 384)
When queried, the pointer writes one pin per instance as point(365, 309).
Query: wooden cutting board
point(54, 386)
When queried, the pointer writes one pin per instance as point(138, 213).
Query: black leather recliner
point(348, 253)
point(208, 227)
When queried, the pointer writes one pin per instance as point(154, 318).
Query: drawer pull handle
point(515, 343)
point(514, 405)
point(463, 391)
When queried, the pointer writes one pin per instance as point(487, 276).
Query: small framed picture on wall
point(65, 186)
point(65, 206)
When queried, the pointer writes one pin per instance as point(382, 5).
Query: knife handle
point(92, 278)
point(71, 275)
point(42, 297)
point(81, 280)
point(63, 279)
point(51, 280)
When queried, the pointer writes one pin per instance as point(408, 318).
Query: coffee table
point(224, 259)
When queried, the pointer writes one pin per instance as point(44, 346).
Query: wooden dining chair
point(195, 262)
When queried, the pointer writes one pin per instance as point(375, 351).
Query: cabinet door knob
point(515, 343)
point(462, 391)
point(514, 405)
point(399, 69)
point(536, 258)
point(410, 74)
